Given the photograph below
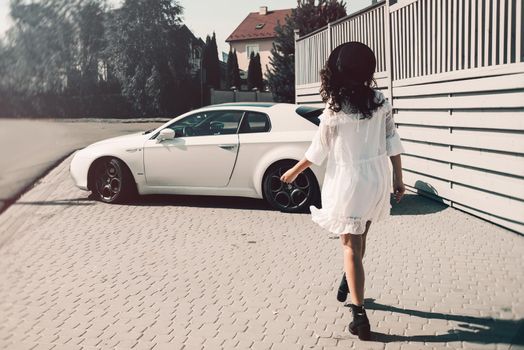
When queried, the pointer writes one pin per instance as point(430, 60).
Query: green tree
point(233, 72)
point(90, 21)
point(309, 15)
point(205, 60)
point(51, 56)
point(6, 61)
point(230, 69)
point(148, 55)
point(236, 71)
point(281, 71)
point(210, 62)
point(51, 59)
point(43, 42)
point(215, 62)
point(254, 73)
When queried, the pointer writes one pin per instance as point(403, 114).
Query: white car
point(234, 149)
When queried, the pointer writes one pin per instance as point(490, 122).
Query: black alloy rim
point(108, 180)
point(289, 195)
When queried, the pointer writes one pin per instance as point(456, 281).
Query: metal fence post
point(297, 68)
point(330, 43)
point(388, 47)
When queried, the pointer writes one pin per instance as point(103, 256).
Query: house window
point(251, 48)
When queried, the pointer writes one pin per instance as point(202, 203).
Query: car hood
point(124, 139)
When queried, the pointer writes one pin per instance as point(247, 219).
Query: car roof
point(279, 113)
point(264, 107)
point(247, 104)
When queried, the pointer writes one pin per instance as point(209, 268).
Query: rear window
point(310, 113)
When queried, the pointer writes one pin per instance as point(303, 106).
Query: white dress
point(357, 183)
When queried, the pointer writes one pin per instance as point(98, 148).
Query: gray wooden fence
point(225, 96)
point(454, 72)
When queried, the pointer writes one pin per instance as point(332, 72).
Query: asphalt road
point(29, 148)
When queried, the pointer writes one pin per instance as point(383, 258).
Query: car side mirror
point(166, 134)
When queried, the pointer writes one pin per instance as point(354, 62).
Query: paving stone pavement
point(187, 272)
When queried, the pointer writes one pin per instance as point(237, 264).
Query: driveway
point(187, 272)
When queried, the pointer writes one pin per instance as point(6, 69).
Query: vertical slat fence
point(454, 72)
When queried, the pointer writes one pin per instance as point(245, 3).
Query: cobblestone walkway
point(183, 272)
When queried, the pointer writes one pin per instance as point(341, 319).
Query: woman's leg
point(364, 236)
point(343, 289)
point(352, 246)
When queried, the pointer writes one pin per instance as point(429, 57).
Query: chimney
point(263, 10)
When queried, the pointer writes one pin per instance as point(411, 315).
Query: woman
point(356, 188)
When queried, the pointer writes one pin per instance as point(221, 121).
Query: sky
point(205, 16)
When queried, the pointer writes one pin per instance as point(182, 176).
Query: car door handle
point(227, 146)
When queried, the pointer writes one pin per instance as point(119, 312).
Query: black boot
point(343, 289)
point(360, 324)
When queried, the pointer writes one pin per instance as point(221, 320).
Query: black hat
point(354, 60)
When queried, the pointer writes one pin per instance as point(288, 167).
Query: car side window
point(179, 127)
point(208, 123)
point(255, 122)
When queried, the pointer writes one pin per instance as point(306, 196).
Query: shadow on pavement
point(414, 204)
point(480, 330)
point(199, 201)
point(411, 204)
point(73, 201)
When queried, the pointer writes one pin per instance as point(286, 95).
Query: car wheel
point(295, 197)
point(112, 181)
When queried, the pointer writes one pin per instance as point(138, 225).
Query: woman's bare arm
point(290, 175)
point(398, 184)
point(302, 165)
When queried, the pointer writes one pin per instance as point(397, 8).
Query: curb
point(97, 120)
point(113, 120)
point(7, 203)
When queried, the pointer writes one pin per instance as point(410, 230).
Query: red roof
point(248, 28)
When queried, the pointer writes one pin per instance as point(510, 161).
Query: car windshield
point(310, 113)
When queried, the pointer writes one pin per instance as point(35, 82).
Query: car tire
point(112, 181)
point(295, 197)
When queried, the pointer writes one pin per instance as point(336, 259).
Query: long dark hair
point(347, 78)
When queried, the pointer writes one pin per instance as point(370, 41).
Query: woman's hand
point(398, 189)
point(398, 184)
point(289, 176)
